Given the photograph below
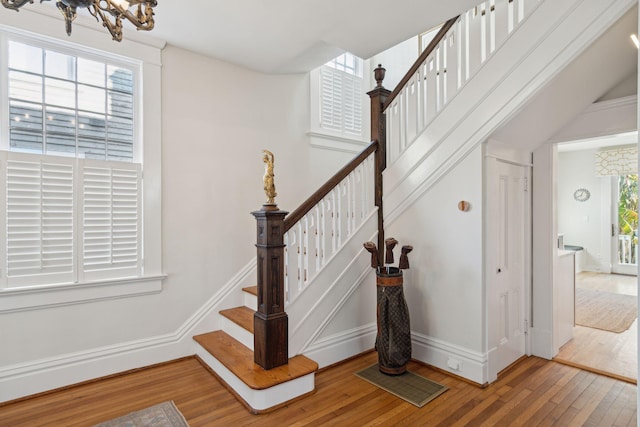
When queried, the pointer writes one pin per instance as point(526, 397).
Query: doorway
point(597, 212)
point(624, 227)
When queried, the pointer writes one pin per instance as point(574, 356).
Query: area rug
point(162, 415)
point(413, 388)
point(605, 310)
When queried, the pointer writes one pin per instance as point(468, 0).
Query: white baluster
point(501, 21)
point(451, 64)
point(287, 297)
point(412, 110)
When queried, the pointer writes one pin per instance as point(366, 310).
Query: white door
point(508, 225)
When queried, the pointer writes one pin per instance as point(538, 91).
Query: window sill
point(328, 141)
point(33, 298)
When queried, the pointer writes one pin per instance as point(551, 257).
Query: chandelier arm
point(15, 4)
point(110, 12)
point(69, 14)
point(142, 19)
point(115, 28)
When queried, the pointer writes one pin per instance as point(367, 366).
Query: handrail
point(423, 57)
point(316, 197)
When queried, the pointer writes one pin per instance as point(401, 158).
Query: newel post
point(378, 97)
point(270, 322)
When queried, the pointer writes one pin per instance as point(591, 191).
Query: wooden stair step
point(242, 316)
point(251, 290)
point(239, 359)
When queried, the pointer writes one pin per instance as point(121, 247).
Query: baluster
point(335, 219)
point(438, 64)
point(431, 84)
point(287, 296)
point(403, 105)
point(304, 253)
point(293, 270)
point(500, 21)
point(473, 40)
point(300, 257)
point(422, 95)
point(393, 130)
point(484, 31)
point(412, 110)
point(520, 9)
point(343, 214)
point(317, 239)
point(451, 63)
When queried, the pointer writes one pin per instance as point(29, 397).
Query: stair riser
point(250, 301)
point(259, 400)
point(237, 332)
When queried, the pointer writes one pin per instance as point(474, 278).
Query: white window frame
point(46, 26)
point(332, 139)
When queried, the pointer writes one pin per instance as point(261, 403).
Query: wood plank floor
point(603, 351)
point(533, 392)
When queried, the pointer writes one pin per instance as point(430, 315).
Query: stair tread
point(239, 360)
point(251, 290)
point(242, 316)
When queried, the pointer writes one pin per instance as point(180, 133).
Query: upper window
point(64, 104)
point(341, 95)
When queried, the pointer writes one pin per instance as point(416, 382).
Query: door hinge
point(526, 184)
point(526, 326)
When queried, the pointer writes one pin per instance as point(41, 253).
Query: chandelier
point(111, 12)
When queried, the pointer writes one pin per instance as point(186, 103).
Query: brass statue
point(269, 186)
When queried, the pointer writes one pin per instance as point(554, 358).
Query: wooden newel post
point(271, 325)
point(378, 97)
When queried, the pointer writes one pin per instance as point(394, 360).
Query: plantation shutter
point(341, 103)
point(112, 220)
point(71, 220)
point(39, 214)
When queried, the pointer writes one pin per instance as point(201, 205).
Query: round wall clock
point(581, 194)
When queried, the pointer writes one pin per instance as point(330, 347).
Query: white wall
point(216, 119)
point(444, 286)
point(584, 223)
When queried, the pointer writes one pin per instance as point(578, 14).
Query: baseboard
point(17, 381)
point(334, 349)
point(29, 378)
point(471, 365)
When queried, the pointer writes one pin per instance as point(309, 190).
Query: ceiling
point(601, 67)
point(290, 36)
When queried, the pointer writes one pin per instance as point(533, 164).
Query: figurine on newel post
point(393, 339)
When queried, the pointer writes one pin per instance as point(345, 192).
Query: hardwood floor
point(533, 392)
point(607, 352)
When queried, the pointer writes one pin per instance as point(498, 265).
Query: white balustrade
point(627, 250)
point(321, 233)
point(466, 46)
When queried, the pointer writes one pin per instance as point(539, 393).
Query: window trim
point(44, 24)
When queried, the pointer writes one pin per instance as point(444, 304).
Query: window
point(74, 140)
point(66, 104)
point(341, 95)
point(72, 196)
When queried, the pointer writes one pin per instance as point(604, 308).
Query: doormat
point(605, 310)
point(162, 415)
point(413, 388)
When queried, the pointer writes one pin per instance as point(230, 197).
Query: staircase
point(229, 354)
point(484, 68)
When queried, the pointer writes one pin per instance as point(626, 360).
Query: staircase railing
point(318, 229)
point(459, 49)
